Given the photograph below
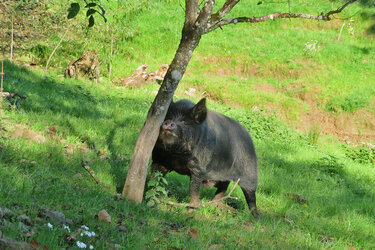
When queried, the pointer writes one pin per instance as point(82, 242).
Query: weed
point(364, 154)
point(311, 48)
point(329, 165)
point(354, 102)
point(40, 53)
point(156, 189)
point(313, 135)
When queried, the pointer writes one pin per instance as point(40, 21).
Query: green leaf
point(152, 183)
point(158, 174)
point(160, 189)
point(151, 203)
point(90, 5)
point(156, 200)
point(73, 10)
point(90, 12)
point(164, 181)
point(150, 193)
point(103, 11)
point(91, 21)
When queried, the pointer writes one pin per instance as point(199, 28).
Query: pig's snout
point(168, 126)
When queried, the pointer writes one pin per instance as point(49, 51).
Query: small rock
point(114, 246)
point(118, 197)
point(55, 217)
point(37, 220)
point(122, 228)
point(78, 176)
point(10, 244)
point(70, 151)
point(23, 228)
point(104, 216)
point(5, 212)
point(30, 233)
point(298, 197)
point(25, 219)
point(190, 92)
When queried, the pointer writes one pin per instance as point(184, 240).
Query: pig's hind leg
point(250, 199)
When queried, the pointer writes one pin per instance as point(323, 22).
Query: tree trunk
point(136, 178)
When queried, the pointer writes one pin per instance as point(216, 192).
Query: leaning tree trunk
point(136, 178)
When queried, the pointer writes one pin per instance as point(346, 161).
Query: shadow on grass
point(78, 112)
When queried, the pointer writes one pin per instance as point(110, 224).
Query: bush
point(364, 154)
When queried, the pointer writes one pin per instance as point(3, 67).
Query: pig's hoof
point(255, 213)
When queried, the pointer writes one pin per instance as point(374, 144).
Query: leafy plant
point(92, 8)
point(40, 53)
point(329, 165)
point(362, 154)
point(156, 189)
point(354, 102)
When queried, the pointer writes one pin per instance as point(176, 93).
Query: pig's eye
point(188, 123)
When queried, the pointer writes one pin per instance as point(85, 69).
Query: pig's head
point(182, 125)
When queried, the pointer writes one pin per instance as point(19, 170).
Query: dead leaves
point(193, 233)
point(297, 197)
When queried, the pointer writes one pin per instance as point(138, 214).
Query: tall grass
point(337, 212)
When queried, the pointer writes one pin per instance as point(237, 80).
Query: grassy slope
point(341, 201)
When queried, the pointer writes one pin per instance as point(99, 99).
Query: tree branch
point(205, 14)
point(191, 11)
point(325, 17)
point(227, 7)
point(340, 9)
point(208, 202)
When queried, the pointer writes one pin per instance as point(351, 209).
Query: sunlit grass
point(99, 124)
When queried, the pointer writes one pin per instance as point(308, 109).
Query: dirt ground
point(350, 127)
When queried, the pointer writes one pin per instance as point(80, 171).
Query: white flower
point(49, 225)
point(84, 227)
point(91, 247)
point(66, 227)
point(81, 244)
point(93, 234)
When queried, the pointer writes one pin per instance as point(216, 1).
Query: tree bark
point(136, 178)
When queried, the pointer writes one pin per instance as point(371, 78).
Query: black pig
point(209, 147)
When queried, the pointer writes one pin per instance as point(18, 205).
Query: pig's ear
point(199, 111)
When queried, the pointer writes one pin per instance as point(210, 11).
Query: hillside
point(316, 190)
point(295, 68)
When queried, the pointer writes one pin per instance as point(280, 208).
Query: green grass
point(337, 181)
point(272, 52)
point(99, 124)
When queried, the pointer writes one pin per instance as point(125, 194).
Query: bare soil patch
point(352, 127)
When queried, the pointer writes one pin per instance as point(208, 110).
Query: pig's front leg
point(195, 184)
